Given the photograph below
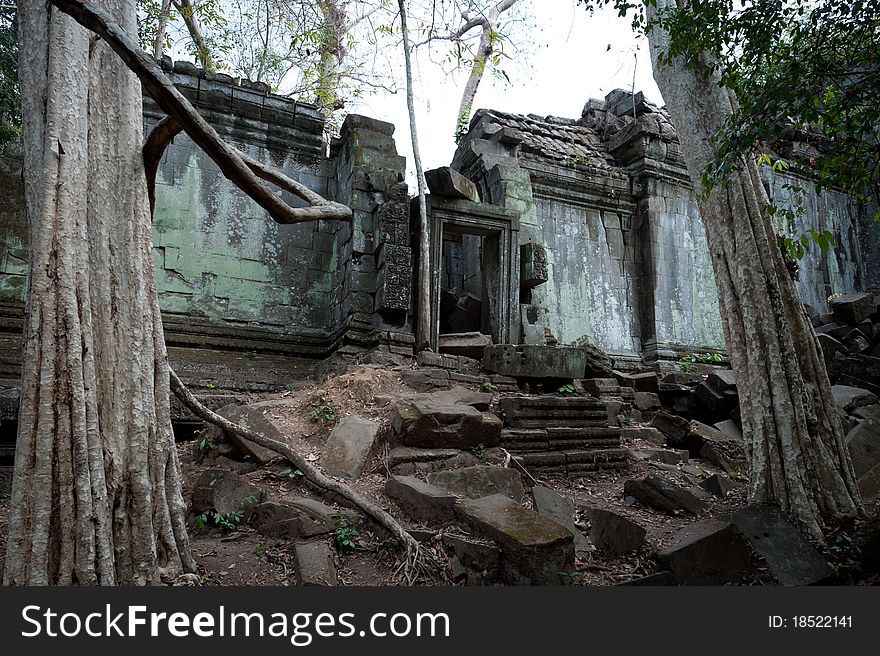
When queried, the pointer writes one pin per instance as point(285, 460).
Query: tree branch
point(310, 472)
point(175, 104)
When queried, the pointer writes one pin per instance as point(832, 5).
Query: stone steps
point(566, 434)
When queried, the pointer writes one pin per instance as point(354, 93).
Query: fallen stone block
point(707, 553)
point(480, 563)
point(790, 557)
point(346, 451)
point(469, 345)
point(718, 403)
point(480, 481)
point(719, 486)
point(662, 494)
point(614, 534)
point(428, 424)
point(853, 308)
point(645, 433)
point(535, 550)
point(420, 500)
point(666, 456)
point(863, 443)
point(448, 182)
point(533, 361)
point(729, 455)
point(722, 381)
point(646, 401)
point(281, 520)
point(868, 412)
point(252, 418)
point(323, 514)
point(551, 504)
point(645, 382)
point(224, 492)
point(425, 380)
point(462, 396)
point(730, 429)
point(675, 428)
point(849, 398)
point(601, 387)
point(441, 360)
point(314, 564)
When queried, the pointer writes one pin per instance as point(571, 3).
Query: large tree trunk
point(96, 494)
point(799, 458)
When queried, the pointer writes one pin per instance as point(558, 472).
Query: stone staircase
point(568, 435)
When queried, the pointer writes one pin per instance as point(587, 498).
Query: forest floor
point(243, 556)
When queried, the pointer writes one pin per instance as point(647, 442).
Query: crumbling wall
point(228, 276)
point(609, 198)
point(841, 268)
point(219, 257)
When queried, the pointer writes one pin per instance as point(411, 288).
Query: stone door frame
point(465, 217)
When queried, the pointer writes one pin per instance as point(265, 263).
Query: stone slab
point(346, 451)
point(535, 550)
point(662, 494)
point(551, 504)
point(614, 534)
point(791, 558)
point(430, 424)
point(314, 563)
point(224, 492)
point(480, 481)
point(535, 361)
point(251, 417)
point(421, 500)
point(707, 553)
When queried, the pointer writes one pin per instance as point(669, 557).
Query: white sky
point(576, 56)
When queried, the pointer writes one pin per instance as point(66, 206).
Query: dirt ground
point(244, 557)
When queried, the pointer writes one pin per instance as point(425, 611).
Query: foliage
point(227, 521)
point(568, 388)
point(489, 386)
point(845, 555)
point(704, 358)
point(206, 443)
point(479, 450)
point(345, 537)
point(290, 472)
point(804, 69)
point(10, 96)
point(323, 411)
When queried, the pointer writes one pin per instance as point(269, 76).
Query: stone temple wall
point(609, 200)
point(228, 276)
point(602, 237)
point(219, 257)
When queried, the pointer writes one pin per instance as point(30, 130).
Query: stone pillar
point(373, 286)
point(678, 303)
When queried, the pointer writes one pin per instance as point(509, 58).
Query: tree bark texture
point(799, 459)
point(96, 494)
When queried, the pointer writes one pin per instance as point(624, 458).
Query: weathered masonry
point(575, 230)
point(611, 243)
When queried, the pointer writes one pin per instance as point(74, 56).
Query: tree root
point(416, 562)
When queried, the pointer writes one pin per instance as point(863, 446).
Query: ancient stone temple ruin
point(545, 232)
